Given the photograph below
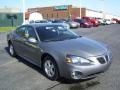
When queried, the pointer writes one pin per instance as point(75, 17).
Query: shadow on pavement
point(27, 63)
point(69, 81)
point(84, 86)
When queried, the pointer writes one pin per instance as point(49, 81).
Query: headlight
point(73, 24)
point(86, 23)
point(109, 54)
point(96, 22)
point(67, 26)
point(77, 60)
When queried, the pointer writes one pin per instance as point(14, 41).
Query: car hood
point(83, 47)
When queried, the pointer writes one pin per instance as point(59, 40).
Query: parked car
point(113, 21)
point(118, 21)
point(108, 21)
point(101, 21)
point(59, 51)
point(93, 21)
point(58, 21)
point(83, 23)
point(63, 21)
point(72, 23)
point(40, 21)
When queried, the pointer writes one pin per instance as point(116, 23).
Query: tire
point(81, 25)
point(11, 50)
point(50, 68)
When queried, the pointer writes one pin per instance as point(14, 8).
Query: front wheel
point(50, 68)
point(11, 50)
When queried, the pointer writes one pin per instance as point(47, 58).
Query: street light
point(23, 2)
point(80, 8)
point(103, 9)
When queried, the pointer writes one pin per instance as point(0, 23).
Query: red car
point(118, 21)
point(83, 23)
point(93, 21)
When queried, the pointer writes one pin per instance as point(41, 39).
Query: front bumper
point(73, 25)
point(95, 25)
point(86, 26)
point(84, 72)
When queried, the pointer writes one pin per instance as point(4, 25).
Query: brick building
point(63, 11)
point(68, 11)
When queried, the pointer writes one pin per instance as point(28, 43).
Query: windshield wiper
point(71, 38)
point(57, 39)
point(49, 40)
point(61, 39)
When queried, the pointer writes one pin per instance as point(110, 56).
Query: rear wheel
point(81, 25)
point(11, 50)
point(50, 68)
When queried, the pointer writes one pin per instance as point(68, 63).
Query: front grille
point(101, 60)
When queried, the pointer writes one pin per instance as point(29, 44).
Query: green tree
point(11, 17)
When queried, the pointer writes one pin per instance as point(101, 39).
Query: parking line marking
point(7, 63)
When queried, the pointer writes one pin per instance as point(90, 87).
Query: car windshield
point(55, 33)
point(41, 21)
point(83, 20)
point(58, 21)
point(69, 20)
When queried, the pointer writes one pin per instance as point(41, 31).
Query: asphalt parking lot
point(18, 74)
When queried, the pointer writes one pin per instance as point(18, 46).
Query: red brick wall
point(49, 12)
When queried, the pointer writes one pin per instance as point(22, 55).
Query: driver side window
point(30, 33)
point(21, 31)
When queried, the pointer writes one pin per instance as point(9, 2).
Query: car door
point(32, 50)
point(18, 40)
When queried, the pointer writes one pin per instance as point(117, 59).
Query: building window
point(57, 15)
point(47, 15)
point(52, 15)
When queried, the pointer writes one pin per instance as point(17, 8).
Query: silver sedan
point(59, 51)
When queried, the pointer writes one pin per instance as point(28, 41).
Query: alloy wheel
point(49, 68)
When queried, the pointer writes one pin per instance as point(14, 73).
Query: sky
point(109, 6)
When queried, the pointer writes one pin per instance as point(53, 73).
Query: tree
point(11, 17)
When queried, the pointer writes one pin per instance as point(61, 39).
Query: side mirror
point(32, 40)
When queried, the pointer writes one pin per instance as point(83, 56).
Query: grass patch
point(6, 29)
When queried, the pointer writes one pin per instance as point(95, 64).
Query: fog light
point(76, 75)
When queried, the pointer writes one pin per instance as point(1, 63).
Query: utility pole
point(69, 13)
point(103, 13)
point(23, 4)
point(80, 8)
